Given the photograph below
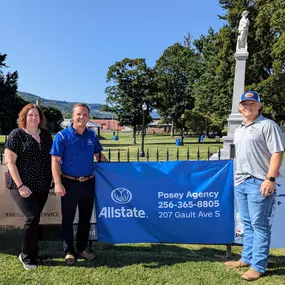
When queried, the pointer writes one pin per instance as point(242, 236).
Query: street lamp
point(182, 130)
point(144, 108)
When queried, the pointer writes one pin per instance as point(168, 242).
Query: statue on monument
point(243, 32)
point(235, 119)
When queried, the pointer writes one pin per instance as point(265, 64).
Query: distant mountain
point(66, 107)
point(63, 106)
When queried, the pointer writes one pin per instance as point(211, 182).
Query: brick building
point(156, 127)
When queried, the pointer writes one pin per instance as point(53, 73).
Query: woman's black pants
point(31, 208)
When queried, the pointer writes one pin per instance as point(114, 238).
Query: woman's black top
point(33, 159)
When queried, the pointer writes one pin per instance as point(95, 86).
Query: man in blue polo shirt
point(73, 154)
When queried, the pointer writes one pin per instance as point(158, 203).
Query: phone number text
point(189, 204)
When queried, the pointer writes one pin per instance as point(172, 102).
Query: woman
point(29, 175)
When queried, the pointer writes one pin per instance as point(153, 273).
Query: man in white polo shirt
point(259, 153)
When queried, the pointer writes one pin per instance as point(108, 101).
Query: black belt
point(250, 177)
point(253, 177)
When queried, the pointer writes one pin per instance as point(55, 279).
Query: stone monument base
point(234, 121)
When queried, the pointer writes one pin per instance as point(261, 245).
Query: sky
point(62, 49)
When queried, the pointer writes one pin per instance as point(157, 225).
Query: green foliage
point(132, 85)
point(270, 31)
point(205, 88)
point(11, 104)
point(176, 71)
point(54, 118)
point(106, 108)
point(199, 123)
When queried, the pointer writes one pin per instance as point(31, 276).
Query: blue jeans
point(255, 211)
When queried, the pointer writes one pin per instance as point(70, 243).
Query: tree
point(265, 65)
point(197, 123)
point(270, 33)
point(54, 118)
point(11, 103)
point(105, 108)
point(205, 87)
point(133, 84)
point(176, 71)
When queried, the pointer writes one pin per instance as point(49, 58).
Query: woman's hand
point(25, 192)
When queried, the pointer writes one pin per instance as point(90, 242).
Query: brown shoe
point(251, 275)
point(69, 259)
point(236, 264)
point(87, 254)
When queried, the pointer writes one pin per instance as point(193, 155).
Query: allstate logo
point(121, 195)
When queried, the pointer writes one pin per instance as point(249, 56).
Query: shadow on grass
point(156, 255)
point(151, 256)
point(116, 256)
point(276, 265)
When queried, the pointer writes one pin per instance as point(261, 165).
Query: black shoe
point(27, 266)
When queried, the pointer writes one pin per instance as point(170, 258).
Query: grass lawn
point(156, 144)
point(167, 264)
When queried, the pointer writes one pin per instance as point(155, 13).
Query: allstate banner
point(178, 202)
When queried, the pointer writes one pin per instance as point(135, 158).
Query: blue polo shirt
point(76, 151)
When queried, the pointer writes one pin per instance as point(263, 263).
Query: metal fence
point(161, 155)
point(155, 155)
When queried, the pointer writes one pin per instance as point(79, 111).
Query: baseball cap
point(250, 96)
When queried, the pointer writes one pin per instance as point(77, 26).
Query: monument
point(241, 55)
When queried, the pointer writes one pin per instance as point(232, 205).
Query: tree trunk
point(134, 134)
point(172, 128)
